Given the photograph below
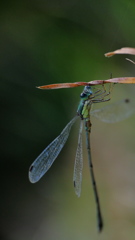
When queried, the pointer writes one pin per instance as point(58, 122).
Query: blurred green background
point(52, 41)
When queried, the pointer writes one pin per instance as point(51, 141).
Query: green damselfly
point(111, 113)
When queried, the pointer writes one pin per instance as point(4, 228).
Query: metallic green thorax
point(85, 103)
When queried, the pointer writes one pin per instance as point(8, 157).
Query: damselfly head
point(86, 92)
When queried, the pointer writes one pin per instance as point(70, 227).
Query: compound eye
point(83, 95)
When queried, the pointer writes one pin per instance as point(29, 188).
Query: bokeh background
point(52, 41)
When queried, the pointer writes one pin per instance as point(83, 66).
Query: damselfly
point(110, 113)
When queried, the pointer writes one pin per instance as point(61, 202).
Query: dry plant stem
point(125, 50)
point(124, 80)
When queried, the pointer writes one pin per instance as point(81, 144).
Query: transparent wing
point(77, 177)
point(44, 161)
point(115, 112)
